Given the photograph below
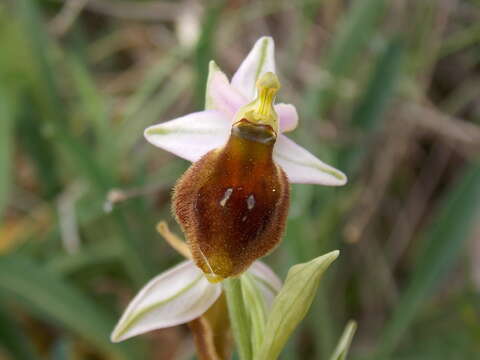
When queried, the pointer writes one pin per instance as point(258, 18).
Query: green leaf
point(341, 351)
point(443, 241)
point(292, 304)
point(53, 299)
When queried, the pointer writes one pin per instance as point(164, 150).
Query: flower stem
point(238, 317)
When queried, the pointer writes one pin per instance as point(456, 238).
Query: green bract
point(292, 303)
point(261, 331)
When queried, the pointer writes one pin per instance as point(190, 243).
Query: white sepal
point(191, 136)
point(260, 60)
point(303, 167)
point(172, 298)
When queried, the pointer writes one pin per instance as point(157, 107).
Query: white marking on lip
point(226, 196)
point(251, 202)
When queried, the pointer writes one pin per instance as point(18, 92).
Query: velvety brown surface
point(233, 202)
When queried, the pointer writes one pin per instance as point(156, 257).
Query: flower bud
point(232, 203)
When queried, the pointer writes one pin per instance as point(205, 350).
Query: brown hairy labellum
point(233, 203)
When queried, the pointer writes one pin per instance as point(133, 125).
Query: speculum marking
point(251, 202)
point(226, 196)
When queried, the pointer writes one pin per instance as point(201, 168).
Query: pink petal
point(259, 61)
point(172, 298)
point(288, 117)
point(191, 136)
point(220, 95)
point(303, 167)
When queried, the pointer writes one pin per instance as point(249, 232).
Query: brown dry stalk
point(173, 240)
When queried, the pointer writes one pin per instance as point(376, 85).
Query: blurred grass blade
point(380, 87)
point(341, 351)
point(460, 40)
point(86, 258)
point(13, 339)
point(53, 299)
point(63, 349)
point(132, 129)
point(32, 140)
point(371, 106)
point(353, 33)
point(79, 153)
point(152, 80)
point(92, 106)
point(6, 127)
point(443, 241)
point(47, 94)
point(205, 49)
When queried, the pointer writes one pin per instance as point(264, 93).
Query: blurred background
point(387, 91)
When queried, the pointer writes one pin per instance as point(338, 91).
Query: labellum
point(232, 203)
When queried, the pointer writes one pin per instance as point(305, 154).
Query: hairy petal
point(259, 61)
point(266, 280)
point(303, 167)
point(172, 298)
point(220, 95)
point(288, 117)
point(191, 136)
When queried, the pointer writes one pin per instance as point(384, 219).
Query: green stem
point(239, 319)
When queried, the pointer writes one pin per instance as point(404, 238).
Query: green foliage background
point(387, 91)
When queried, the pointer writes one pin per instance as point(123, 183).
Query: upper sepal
point(259, 61)
point(220, 95)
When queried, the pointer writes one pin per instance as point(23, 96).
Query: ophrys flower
point(232, 202)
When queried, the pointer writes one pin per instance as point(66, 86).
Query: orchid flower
point(232, 203)
point(182, 294)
